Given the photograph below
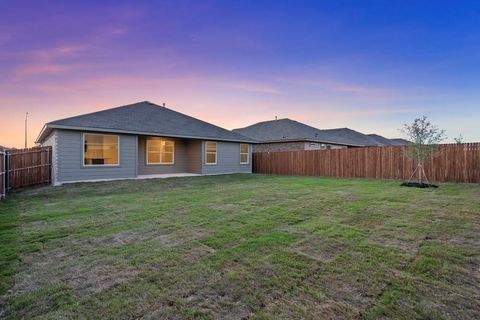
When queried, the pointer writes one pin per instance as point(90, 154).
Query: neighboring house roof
point(144, 118)
point(283, 130)
point(400, 141)
point(387, 142)
point(379, 140)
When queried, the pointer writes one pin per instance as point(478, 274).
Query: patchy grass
point(241, 246)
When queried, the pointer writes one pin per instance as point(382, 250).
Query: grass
point(241, 246)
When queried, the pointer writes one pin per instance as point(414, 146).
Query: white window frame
point(161, 160)
point(100, 165)
point(216, 153)
point(248, 153)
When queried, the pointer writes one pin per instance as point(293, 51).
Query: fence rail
point(25, 167)
point(454, 163)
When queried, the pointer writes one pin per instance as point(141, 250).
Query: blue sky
point(367, 65)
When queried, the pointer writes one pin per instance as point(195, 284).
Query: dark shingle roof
point(399, 141)
point(290, 130)
point(379, 140)
point(145, 118)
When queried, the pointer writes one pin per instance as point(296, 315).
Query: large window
point(244, 153)
point(210, 152)
point(100, 150)
point(160, 151)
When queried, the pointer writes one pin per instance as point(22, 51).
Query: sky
point(368, 65)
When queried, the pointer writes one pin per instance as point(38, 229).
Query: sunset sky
point(367, 65)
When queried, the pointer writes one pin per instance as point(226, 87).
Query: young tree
point(459, 139)
point(424, 137)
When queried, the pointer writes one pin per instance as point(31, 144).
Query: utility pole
point(26, 118)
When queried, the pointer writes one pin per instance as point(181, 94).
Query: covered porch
point(163, 157)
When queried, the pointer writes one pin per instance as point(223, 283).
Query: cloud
point(252, 87)
point(339, 86)
point(42, 68)
point(49, 61)
point(58, 52)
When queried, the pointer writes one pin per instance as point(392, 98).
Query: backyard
point(241, 246)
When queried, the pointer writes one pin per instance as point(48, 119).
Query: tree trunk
point(420, 170)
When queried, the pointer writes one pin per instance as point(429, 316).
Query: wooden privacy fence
point(26, 167)
point(454, 163)
point(2, 175)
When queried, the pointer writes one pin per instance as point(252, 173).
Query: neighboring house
point(290, 135)
point(141, 139)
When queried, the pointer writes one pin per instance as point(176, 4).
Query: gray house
point(291, 135)
point(141, 140)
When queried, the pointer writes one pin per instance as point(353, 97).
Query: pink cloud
point(58, 52)
point(42, 68)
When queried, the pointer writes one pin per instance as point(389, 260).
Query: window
point(210, 152)
point(243, 153)
point(160, 151)
point(100, 150)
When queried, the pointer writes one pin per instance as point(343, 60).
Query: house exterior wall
point(292, 146)
point(51, 141)
point(180, 164)
point(67, 158)
point(322, 146)
point(228, 159)
point(70, 166)
point(279, 146)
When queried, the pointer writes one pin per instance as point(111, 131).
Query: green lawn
point(241, 246)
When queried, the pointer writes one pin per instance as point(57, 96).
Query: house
point(289, 135)
point(141, 140)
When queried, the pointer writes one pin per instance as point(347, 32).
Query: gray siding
point(180, 158)
point(228, 159)
point(70, 166)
